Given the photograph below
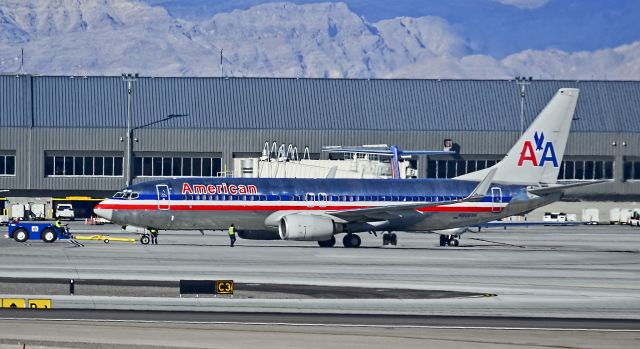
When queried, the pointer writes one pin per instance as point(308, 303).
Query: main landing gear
point(449, 240)
point(351, 240)
point(327, 243)
point(389, 239)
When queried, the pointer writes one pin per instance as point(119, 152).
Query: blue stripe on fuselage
point(278, 189)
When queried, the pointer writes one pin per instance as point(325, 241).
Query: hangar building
point(64, 135)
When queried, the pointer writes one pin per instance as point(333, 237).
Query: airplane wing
point(557, 188)
point(395, 211)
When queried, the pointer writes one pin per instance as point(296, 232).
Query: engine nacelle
point(307, 228)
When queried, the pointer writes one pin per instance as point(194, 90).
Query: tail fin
point(537, 155)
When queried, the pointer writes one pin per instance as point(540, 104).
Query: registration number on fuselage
point(468, 215)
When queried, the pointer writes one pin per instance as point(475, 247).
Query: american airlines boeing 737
point(320, 209)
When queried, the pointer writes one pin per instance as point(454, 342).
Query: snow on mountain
point(283, 39)
point(107, 37)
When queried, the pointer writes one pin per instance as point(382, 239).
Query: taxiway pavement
point(576, 272)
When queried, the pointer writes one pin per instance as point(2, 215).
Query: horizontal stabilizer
point(560, 188)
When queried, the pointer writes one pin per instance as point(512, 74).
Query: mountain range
point(317, 40)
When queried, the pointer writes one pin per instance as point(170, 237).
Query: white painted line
point(326, 325)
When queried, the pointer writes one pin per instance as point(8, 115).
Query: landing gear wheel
point(444, 240)
point(48, 235)
point(21, 235)
point(144, 240)
point(106, 241)
point(351, 240)
point(328, 243)
point(393, 239)
point(453, 242)
point(385, 239)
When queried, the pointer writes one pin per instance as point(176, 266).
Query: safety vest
point(58, 224)
point(232, 231)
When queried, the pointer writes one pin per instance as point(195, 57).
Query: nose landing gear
point(449, 240)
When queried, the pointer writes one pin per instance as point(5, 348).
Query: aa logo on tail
point(548, 153)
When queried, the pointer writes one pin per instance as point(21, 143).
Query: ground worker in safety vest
point(232, 234)
point(154, 236)
point(59, 226)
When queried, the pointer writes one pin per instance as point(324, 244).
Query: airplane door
point(496, 199)
point(164, 201)
point(310, 198)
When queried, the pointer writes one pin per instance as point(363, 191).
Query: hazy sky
point(494, 27)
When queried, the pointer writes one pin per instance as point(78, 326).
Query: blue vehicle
point(47, 232)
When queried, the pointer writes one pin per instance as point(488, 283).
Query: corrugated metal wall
point(321, 104)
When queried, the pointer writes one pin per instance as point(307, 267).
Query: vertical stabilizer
point(537, 155)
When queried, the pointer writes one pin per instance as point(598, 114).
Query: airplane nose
point(105, 213)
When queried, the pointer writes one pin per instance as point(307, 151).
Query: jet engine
point(307, 227)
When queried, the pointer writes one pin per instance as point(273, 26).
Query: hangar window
point(631, 169)
point(159, 166)
point(585, 170)
point(437, 168)
point(7, 165)
point(74, 166)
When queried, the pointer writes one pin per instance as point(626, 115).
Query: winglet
point(483, 186)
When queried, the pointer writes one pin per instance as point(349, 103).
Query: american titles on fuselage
point(222, 188)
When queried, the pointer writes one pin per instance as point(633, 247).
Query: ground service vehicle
point(65, 211)
point(47, 232)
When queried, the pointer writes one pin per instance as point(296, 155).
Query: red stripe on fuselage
point(143, 207)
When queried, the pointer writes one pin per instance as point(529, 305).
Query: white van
point(65, 211)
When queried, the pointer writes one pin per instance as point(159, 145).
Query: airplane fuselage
point(253, 204)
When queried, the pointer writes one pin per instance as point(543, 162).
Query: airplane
point(320, 209)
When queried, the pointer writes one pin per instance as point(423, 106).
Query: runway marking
point(498, 243)
point(328, 325)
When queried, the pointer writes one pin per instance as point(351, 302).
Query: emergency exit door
point(496, 199)
point(164, 200)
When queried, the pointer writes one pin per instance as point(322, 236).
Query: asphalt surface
point(157, 288)
point(327, 319)
point(142, 330)
point(519, 288)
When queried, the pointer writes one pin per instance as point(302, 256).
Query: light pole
point(522, 81)
point(129, 79)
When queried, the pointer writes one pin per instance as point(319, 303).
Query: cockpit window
point(133, 196)
point(118, 194)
